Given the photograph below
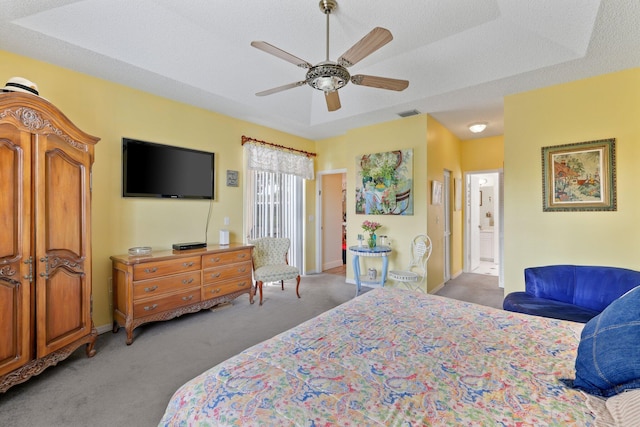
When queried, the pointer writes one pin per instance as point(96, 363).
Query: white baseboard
point(104, 328)
point(332, 264)
point(440, 286)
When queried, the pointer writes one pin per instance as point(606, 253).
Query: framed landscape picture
point(579, 176)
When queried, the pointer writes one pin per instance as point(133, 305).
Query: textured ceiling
point(461, 57)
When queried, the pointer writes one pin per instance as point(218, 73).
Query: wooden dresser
point(168, 284)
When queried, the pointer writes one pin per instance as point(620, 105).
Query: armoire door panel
point(65, 311)
point(10, 174)
point(14, 328)
point(15, 189)
point(63, 207)
point(62, 214)
point(15, 247)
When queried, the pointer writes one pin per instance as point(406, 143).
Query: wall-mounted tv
point(156, 170)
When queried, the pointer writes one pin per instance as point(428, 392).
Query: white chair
point(270, 263)
point(416, 273)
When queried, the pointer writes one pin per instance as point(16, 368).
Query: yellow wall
point(482, 154)
point(341, 153)
point(606, 106)
point(443, 153)
point(111, 111)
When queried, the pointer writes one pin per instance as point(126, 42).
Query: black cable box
point(187, 246)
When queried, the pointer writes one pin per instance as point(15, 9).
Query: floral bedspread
point(396, 358)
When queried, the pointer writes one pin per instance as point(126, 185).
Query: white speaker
point(224, 237)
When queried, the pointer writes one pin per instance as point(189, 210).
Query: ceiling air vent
point(409, 113)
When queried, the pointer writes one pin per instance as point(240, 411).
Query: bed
point(394, 357)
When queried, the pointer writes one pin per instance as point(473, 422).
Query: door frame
point(467, 221)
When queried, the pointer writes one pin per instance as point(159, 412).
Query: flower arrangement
point(371, 226)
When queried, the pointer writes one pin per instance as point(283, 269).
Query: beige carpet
point(131, 385)
point(477, 288)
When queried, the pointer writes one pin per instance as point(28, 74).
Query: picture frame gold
point(579, 177)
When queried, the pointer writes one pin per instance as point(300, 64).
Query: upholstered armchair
point(270, 263)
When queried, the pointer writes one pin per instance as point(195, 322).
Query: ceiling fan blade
point(333, 100)
point(266, 47)
point(379, 82)
point(373, 41)
point(281, 88)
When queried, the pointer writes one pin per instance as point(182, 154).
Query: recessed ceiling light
point(477, 127)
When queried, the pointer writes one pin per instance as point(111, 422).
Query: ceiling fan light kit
point(329, 76)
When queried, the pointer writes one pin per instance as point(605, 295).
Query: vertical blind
point(274, 209)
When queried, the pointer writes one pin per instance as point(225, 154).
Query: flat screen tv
point(163, 171)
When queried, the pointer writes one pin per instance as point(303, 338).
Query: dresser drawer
point(162, 285)
point(226, 287)
point(214, 260)
point(150, 306)
point(238, 270)
point(153, 269)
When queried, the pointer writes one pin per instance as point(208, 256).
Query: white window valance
point(263, 158)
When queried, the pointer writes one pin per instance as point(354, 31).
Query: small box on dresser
point(168, 284)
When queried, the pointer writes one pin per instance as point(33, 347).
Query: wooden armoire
point(45, 237)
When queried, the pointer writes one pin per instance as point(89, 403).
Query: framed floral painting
point(384, 183)
point(579, 176)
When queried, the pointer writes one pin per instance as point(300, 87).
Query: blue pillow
point(608, 359)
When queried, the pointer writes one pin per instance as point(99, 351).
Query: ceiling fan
point(329, 76)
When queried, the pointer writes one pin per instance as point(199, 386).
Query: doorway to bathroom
point(483, 247)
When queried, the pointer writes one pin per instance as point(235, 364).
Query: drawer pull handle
point(242, 284)
point(189, 298)
point(215, 275)
point(151, 307)
point(215, 291)
point(187, 281)
point(242, 255)
point(187, 264)
point(216, 259)
point(242, 270)
point(151, 270)
point(151, 289)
